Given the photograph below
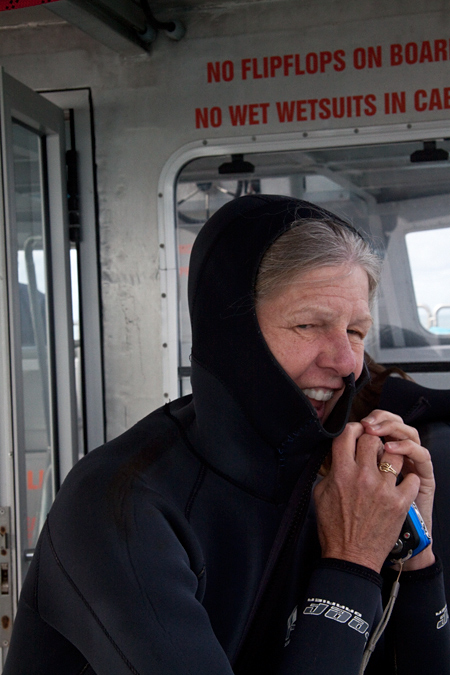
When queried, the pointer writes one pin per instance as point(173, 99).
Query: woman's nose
point(338, 354)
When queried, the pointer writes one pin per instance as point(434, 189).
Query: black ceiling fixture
point(430, 153)
point(237, 165)
point(173, 29)
point(126, 26)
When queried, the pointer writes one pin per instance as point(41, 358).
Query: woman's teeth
point(319, 394)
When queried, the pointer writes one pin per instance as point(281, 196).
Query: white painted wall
point(144, 109)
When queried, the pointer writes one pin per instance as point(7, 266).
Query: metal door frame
point(30, 109)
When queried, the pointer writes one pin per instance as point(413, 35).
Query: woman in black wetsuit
point(191, 544)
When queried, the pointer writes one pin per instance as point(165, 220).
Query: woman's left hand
point(401, 439)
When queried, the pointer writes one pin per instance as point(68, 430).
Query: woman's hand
point(360, 510)
point(403, 441)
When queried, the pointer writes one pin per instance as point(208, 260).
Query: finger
point(343, 447)
point(368, 451)
point(409, 489)
point(378, 416)
point(343, 451)
point(419, 459)
point(384, 423)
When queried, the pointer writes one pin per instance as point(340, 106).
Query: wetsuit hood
point(226, 337)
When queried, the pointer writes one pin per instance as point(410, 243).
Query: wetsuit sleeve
point(328, 634)
point(419, 629)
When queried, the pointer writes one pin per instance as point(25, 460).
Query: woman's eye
point(358, 333)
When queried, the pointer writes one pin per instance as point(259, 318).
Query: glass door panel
point(36, 456)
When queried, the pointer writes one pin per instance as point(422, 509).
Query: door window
point(37, 442)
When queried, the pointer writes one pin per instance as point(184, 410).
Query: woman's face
point(315, 328)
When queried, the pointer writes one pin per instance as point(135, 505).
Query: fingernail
point(391, 445)
point(369, 420)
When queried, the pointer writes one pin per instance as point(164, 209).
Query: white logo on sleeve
point(336, 612)
point(443, 617)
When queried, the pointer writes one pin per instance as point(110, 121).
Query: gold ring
point(387, 468)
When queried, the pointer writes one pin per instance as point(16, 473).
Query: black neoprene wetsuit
point(155, 548)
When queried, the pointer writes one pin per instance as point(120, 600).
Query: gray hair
point(309, 245)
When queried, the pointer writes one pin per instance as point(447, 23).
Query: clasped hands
point(360, 509)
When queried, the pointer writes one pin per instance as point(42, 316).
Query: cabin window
point(394, 193)
point(430, 271)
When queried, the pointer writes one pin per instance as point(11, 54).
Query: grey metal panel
point(78, 100)
point(64, 348)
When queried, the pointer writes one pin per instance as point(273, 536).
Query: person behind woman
point(190, 543)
